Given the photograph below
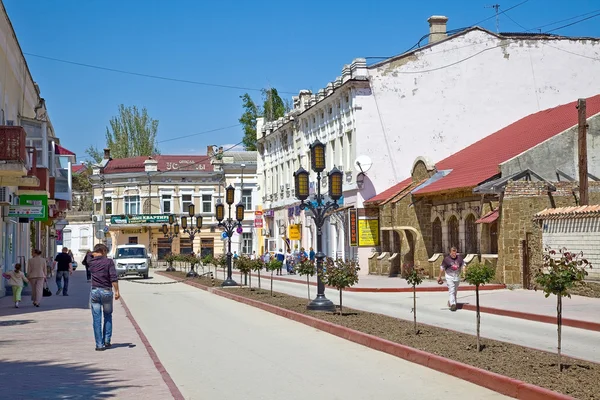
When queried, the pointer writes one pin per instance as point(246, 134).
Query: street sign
point(139, 219)
point(26, 211)
point(258, 223)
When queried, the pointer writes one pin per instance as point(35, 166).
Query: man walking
point(105, 283)
point(63, 264)
point(452, 267)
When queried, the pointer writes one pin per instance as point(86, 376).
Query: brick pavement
point(48, 352)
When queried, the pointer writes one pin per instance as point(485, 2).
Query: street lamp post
point(191, 230)
point(171, 231)
point(319, 211)
point(229, 225)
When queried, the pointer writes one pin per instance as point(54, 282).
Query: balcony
point(13, 154)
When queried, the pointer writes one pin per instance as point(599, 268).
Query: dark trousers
point(60, 276)
point(88, 273)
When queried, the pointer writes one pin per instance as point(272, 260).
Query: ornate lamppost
point(230, 225)
point(192, 230)
point(318, 210)
point(171, 231)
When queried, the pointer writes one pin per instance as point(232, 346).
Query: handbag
point(46, 292)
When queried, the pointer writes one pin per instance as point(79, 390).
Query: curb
point(574, 323)
point(177, 395)
point(490, 380)
point(441, 288)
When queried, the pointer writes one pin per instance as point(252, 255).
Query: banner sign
point(294, 232)
point(33, 201)
point(368, 227)
point(258, 222)
point(139, 219)
point(26, 212)
point(353, 228)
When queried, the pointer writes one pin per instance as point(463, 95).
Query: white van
point(132, 259)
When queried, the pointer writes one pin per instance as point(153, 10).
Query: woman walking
point(36, 272)
point(16, 279)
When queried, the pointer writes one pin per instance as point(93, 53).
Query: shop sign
point(258, 213)
point(139, 219)
point(353, 226)
point(26, 212)
point(295, 232)
point(258, 222)
point(36, 200)
point(269, 213)
point(368, 227)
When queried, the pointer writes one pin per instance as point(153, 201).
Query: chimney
point(107, 154)
point(150, 165)
point(437, 28)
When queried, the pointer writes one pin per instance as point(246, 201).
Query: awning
point(488, 218)
point(61, 151)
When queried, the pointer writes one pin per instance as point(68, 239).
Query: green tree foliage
point(256, 266)
point(306, 268)
point(415, 278)
point(132, 133)
point(273, 105)
point(340, 274)
point(273, 265)
point(82, 190)
point(561, 271)
point(244, 265)
point(248, 121)
point(477, 275)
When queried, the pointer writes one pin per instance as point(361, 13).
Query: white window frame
point(247, 243)
point(202, 201)
point(84, 234)
point(67, 238)
point(108, 199)
point(163, 201)
point(128, 203)
point(245, 198)
point(184, 210)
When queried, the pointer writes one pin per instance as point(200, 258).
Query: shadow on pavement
point(43, 380)
point(117, 345)
point(13, 322)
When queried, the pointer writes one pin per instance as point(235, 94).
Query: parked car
point(132, 259)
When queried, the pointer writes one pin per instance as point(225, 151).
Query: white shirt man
point(452, 267)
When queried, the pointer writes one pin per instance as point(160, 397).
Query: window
point(453, 233)
point(67, 238)
point(132, 240)
point(166, 202)
point(246, 243)
point(108, 205)
point(132, 205)
point(186, 200)
point(83, 239)
point(470, 234)
point(206, 203)
point(207, 246)
point(186, 246)
point(436, 228)
point(247, 199)
point(37, 143)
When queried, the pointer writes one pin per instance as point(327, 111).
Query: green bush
point(340, 274)
point(308, 269)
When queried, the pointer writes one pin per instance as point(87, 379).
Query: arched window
point(470, 234)
point(436, 235)
point(453, 238)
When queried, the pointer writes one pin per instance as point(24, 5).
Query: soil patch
point(587, 289)
point(579, 378)
point(203, 280)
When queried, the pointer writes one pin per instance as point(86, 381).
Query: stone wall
point(522, 200)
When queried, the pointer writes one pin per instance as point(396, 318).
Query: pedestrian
point(311, 255)
point(452, 267)
point(280, 257)
point(36, 273)
point(87, 268)
point(266, 258)
point(105, 284)
point(16, 279)
point(63, 264)
point(253, 255)
point(235, 255)
point(289, 262)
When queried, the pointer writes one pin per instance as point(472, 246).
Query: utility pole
point(497, 8)
point(583, 163)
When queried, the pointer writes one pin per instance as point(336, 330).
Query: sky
point(246, 44)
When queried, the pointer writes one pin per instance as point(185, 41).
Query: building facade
point(134, 197)
point(430, 102)
point(35, 179)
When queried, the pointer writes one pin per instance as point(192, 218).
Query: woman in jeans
point(105, 284)
point(36, 272)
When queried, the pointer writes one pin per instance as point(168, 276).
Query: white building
point(432, 101)
point(78, 235)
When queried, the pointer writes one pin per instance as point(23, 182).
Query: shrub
point(340, 274)
point(479, 274)
point(308, 269)
point(273, 265)
point(414, 277)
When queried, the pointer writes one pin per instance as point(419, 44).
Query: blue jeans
point(60, 275)
point(101, 301)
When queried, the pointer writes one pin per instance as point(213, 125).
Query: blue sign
point(224, 235)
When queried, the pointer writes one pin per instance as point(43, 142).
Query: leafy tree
point(307, 268)
point(560, 272)
point(244, 264)
point(82, 188)
point(273, 105)
point(415, 278)
point(257, 265)
point(340, 274)
point(477, 275)
point(221, 261)
point(248, 121)
point(209, 260)
point(170, 259)
point(273, 265)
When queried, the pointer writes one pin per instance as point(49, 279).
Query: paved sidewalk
point(48, 352)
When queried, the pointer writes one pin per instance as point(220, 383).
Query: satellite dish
point(363, 164)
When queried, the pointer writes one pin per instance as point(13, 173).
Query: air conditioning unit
point(281, 188)
point(98, 218)
point(5, 196)
point(96, 201)
point(287, 186)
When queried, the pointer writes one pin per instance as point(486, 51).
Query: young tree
point(273, 265)
point(257, 266)
point(208, 260)
point(244, 264)
point(307, 268)
point(340, 274)
point(248, 121)
point(170, 259)
point(560, 272)
point(479, 274)
point(415, 278)
point(273, 105)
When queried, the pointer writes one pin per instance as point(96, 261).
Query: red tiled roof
point(488, 218)
point(61, 151)
point(389, 193)
point(569, 212)
point(78, 168)
point(479, 162)
point(165, 164)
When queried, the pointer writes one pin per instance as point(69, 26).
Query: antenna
point(497, 8)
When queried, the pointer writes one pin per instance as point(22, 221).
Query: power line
point(522, 27)
point(563, 20)
point(164, 78)
point(574, 23)
point(500, 13)
point(199, 133)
